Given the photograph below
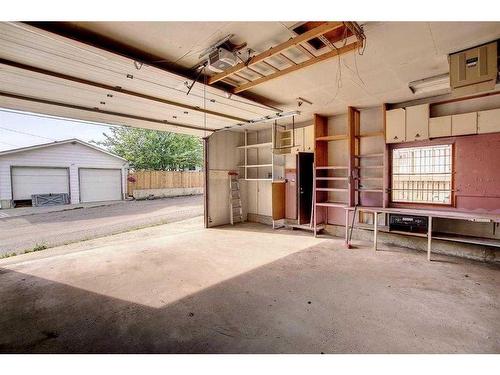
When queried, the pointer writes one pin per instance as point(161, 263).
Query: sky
point(19, 129)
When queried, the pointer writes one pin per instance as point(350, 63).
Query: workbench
point(458, 215)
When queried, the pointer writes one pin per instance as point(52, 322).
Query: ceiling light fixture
point(431, 84)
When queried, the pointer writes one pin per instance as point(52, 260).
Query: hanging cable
point(32, 135)
point(205, 104)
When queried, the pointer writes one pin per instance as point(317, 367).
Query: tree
point(151, 149)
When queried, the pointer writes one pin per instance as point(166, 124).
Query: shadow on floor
point(311, 301)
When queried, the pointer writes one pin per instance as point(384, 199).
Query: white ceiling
point(396, 53)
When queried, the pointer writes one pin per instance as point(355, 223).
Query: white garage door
point(35, 180)
point(100, 185)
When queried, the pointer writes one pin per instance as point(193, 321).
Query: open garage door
point(98, 185)
point(43, 72)
point(27, 181)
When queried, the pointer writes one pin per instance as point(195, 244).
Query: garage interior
point(352, 194)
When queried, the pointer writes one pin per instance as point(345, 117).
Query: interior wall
point(476, 181)
point(223, 157)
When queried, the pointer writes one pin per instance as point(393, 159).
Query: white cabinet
point(298, 141)
point(440, 126)
point(252, 196)
point(309, 138)
point(395, 126)
point(264, 198)
point(488, 121)
point(417, 122)
point(464, 124)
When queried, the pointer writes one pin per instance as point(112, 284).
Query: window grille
point(422, 174)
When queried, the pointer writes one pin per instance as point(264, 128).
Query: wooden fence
point(164, 180)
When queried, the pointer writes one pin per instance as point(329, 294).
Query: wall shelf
point(367, 190)
point(257, 145)
point(332, 167)
point(371, 134)
point(332, 178)
point(255, 166)
point(377, 155)
point(332, 204)
point(257, 162)
point(331, 189)
point(369, 167)
point(328, 138)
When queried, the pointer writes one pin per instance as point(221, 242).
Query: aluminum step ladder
point(235, 209)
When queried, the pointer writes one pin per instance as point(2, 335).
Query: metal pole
point(429, 238)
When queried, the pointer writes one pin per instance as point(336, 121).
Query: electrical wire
point(8, 144)
point(205, 103)
point(25, 133)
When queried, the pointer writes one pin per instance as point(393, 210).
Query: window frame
point(426, 204)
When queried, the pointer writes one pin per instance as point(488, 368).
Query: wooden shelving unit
point(367, 187)
point(260, 171)
point(364, 176)
point(328, 138)
point(331, 181)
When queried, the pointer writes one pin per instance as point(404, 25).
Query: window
point(422, 174)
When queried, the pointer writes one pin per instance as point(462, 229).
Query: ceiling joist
point(308, 35)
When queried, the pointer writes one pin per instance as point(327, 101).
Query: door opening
point(305, 162)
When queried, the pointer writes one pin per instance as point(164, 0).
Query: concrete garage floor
point(48, 229)
point(179, 288)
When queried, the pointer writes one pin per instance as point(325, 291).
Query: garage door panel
point(35, 180)
point(100, 185)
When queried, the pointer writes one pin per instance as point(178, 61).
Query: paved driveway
point(20, 234)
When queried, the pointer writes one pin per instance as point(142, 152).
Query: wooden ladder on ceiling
point(242, 76)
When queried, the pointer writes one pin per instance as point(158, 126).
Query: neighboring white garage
point(84, 171)
point(100, 184)
point(38, 180)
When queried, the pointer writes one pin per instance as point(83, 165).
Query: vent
point(333, 35)
point(475, 66)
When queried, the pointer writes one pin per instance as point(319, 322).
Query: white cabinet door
point(488, 121)
point(252, 197)
point(417, 122)
point(309, 139)
point(298, 141)
point(264, 198)
point(395, 125)
point(440, 126)
point(464, 124)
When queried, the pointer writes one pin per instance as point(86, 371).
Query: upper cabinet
point(488, 121)
point(414, 124)
point(417, 122)
point(440, 126)
point(463, 124)
point(395, 121)
point(309, 138)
